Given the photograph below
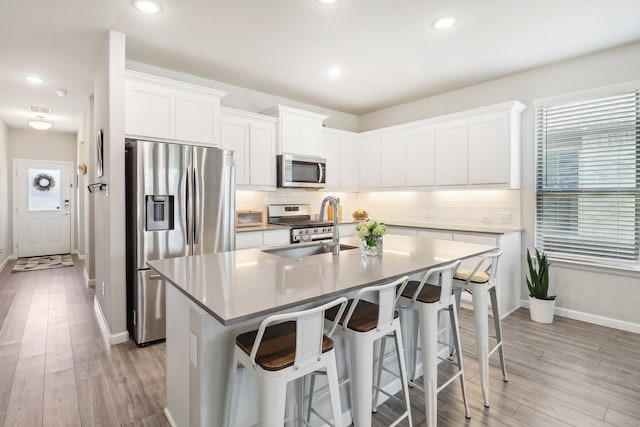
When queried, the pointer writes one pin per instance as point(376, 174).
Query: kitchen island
point(212, 298)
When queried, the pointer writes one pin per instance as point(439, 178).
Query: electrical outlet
point(505, 219)
point(193, 349)
point(1, 250)
point(102, 288)
point(486, 219)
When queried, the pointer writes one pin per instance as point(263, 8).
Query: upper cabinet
point(299, 131)
point(341, 152)
point(156, 107)
point(474, 148)
point(252, 137)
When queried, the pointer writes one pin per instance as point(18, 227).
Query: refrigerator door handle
point(187, 211)
point(196, 208)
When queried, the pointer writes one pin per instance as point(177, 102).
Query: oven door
point(301, 171)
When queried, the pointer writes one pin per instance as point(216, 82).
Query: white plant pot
point(541, 310)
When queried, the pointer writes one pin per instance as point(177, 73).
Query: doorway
point(43, 211)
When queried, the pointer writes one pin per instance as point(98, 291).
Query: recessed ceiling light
point(334, 72)
point(327, 1)
point(147, 6)
point(40, 124)
point(61, 92)
point(34, 79)
point(445, 22)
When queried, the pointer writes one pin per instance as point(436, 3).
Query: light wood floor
point(55, 369)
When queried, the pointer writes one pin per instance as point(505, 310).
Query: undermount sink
point(304, 251)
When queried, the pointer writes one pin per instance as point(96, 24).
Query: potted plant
point(541, 305)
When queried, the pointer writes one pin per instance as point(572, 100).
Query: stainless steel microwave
point(296, 171)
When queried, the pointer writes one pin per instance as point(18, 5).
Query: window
point(587, 172)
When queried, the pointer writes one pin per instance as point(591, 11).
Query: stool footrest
point(449, 381)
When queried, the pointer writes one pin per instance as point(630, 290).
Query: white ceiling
point(387, 49)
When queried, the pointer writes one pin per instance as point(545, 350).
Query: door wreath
point(43, 182)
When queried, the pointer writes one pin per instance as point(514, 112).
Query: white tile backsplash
point(450, 207)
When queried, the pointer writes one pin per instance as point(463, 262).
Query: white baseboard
point(89, 283)
point(4, 263)
point(168, 415)
point(593, 318)
point(111, 339)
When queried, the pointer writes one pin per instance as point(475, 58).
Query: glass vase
point(372, 246)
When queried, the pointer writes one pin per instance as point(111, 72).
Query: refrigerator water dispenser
point(159, 212)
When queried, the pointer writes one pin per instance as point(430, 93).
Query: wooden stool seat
point(476, 276)
point(364, 318)
point(277, 350)
point(428, 295)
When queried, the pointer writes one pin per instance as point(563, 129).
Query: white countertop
point(238, 285)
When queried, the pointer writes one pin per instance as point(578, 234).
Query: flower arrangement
point(371, 233)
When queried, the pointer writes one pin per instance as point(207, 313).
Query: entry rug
point(42, 263)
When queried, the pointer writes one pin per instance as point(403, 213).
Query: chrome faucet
point(335, 241)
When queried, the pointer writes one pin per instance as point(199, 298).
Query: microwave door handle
point(321, 170)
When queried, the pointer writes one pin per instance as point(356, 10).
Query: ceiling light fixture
point(334, 72)
point(40, 124)
point(327, 1)
point(61, 92)
point(147, 6)
point(34, 79)
point(445, 22)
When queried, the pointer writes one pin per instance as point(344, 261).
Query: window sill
point(630, 270)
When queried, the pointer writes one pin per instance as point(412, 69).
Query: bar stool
point(479, 283)
point(363, 324)
point(428, 300)
point(286, 347)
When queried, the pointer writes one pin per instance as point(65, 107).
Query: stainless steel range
point(299, 218)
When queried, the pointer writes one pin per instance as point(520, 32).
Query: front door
point(43, 190)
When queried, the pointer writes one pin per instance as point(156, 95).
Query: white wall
point(5, 205)
point(601, 296)
point(109, 212)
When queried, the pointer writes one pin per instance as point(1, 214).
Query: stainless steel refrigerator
point(180, 201)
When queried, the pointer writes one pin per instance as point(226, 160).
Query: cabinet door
point(349, 162)
point(369, 156)
point(480, 239)
point(262, 159)
point(196, 118)
point(489, 150)
point(235, 137)
point(331, 142)
point(149, 110)
point(248, 239)
point(420, 151)
point(290, 135)
point(312, 138)
point(451, 154)
point(402, 231)
point(277, 237)
point(392, 165)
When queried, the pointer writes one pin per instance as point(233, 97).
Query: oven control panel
point(309, 234)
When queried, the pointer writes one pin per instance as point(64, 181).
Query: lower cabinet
point(255, 239)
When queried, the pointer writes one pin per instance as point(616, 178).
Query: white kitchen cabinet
point(252, 137)
point(255, 239)
point(435, 234)
point(150, 110)
point(341, 153)
point(299, 131)
point(393, 159)
point(402, 231)
point(156, 107)
point(451, 157)
point(370, 157)
point(420, 156)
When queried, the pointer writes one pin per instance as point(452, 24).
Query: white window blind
point(587, 171)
